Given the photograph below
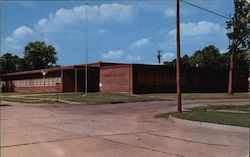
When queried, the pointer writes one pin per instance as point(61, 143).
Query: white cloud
point(169, 12)
point(115, 11)
point(9, 39)
point(42, 22)
point(140, 43)
point(18, 34)
point(66, 21)
point(198, 29)
point(168, 56)
point(113, 55)
point(135, 58)
point(104, 12)
point(120, 56)
point(22, 30)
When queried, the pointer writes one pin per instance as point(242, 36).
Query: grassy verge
point(222, 107)
point(235, 119)
point(109, 97)
point(9, 94)
point(97, 98)
point(210, 114)
point(26, 100)
point(91, 98)
point(191, 96)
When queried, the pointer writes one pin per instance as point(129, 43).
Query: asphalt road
point(112, 130)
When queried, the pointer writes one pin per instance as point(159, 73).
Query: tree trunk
point(230, 77)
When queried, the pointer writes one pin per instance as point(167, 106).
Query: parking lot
point(112, 130)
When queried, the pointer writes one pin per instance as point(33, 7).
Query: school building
point(121, 78)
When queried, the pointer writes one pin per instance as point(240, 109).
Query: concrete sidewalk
point(112, 130)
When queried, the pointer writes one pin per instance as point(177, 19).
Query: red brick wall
point(116, 79)
point(48, 89)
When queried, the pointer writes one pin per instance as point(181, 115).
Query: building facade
point(139, 78)
point(122, 78)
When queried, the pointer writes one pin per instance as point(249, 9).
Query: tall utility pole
point(231, 65)
point(178, 51)
point(86, 49)
point(159, 56)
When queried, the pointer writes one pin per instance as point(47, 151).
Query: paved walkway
point(112, 130)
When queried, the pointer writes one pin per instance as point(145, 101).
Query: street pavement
point(113, 130)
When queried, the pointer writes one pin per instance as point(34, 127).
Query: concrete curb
point(69, 102)
point(209, 125)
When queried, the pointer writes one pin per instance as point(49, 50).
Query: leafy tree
point(38, 55)
point(22, 65)
point(248, 56)
point(184, 61)
point(222, 61)
point(9, 63)
point(239, 26)
point(207, 57)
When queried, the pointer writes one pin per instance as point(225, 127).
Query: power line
point(212, 12)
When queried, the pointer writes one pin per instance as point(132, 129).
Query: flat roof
point(52, 69)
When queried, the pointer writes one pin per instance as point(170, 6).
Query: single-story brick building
point(70, 78)
point(121, 78)
point(142, 78)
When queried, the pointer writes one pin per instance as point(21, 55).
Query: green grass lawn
point(97, 98)
point(210, 114)
point(191, 96)
point(222, 107)
point(9, 94)
point(25, 100)
point(91, 98)
point(235, 119)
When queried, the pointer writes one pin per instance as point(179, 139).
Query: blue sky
point(118, 31)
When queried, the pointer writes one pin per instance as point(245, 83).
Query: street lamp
point(44, 74)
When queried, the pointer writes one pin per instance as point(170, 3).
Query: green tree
point(39, 55)
point(10, 63)
point(248, 56)
point(184, 61)
point(207, 57)
point(22, 65)
point(239, 30)
point(222, 61)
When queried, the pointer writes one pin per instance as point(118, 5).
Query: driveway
point(112, 130)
